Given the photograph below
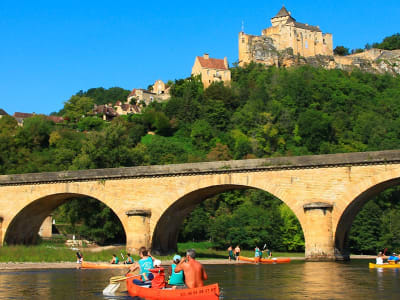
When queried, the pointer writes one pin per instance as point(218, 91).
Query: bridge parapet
point(216, 167)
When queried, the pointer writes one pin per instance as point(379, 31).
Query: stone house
point(161, 90)
point(211, 70)
point(285, 33)
point(141, 95)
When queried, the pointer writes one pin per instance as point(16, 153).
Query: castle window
point(307, 44)
point(324, 41)
point(242, 40)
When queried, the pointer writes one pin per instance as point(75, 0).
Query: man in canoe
point(145, 264)
point(114, 260)
point(269, 253)
point(257, 254)
point(193, 270)
point(129, 259)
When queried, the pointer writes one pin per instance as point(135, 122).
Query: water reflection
point(297, 280)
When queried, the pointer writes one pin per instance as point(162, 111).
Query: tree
point(77, 107)
point(389, 43)
point(341, 51)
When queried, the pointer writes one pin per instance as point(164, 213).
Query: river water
point(296, 280)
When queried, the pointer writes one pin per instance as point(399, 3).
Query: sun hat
point(157, 262)
point(177, 257)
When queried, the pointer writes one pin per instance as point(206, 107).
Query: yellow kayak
point(389, 266)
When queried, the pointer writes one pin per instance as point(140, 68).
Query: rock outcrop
point(373, 60)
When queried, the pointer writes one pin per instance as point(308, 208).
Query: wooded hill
point(264, 113)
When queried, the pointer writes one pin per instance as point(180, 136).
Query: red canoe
point(91, 265)
point(265, 260)
point(208, 292)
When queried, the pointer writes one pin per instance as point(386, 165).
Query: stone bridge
point(325, 192)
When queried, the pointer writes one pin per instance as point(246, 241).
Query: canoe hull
point(385, 266)
point(91, 265)
point(208, 292)
point(265, 260)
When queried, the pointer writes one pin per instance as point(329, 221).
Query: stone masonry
point(325, 192)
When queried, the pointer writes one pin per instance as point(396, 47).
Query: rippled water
point(297, 280)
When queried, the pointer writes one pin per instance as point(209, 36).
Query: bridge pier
point(137, 230)
point(1, 231)
point(318, 232)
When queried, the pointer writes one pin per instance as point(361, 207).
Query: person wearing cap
point(158, 281)
point(393, 258)
point(176, 279)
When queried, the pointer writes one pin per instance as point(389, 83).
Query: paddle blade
point(111, 289)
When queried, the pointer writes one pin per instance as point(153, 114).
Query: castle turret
point(282, 17)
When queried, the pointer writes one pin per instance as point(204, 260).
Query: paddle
point(114, 284)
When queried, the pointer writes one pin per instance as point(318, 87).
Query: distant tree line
point(389, 43)
point(265, 112)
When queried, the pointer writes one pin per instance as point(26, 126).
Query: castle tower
point(282, 17)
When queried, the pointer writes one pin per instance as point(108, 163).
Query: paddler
point(144, 265)
point(114, 260)
point(257, 254)
point(129, 260)
point(176, 279)
point(193, 270)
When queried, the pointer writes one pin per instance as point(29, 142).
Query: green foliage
point(265, 112)
point(341, 50)
point(389, 43)
point(77, 107)
point(104, 96)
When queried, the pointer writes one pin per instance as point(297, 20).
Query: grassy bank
point(58, 252)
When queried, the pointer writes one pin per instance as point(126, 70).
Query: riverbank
point(73, 265)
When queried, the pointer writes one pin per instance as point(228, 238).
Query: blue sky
point(49, 50)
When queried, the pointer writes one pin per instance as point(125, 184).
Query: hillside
point(265, 112)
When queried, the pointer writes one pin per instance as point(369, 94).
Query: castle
point(285, 34)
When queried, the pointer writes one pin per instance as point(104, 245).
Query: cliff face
point(373, 61)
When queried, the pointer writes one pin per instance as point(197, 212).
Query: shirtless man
point(193, 270)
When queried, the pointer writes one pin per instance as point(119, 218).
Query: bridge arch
point(165, 234)
point(24, 226)
point(358, 195)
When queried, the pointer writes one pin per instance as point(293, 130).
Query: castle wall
point(305, 40)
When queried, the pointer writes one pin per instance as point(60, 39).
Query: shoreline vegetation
point(54, 256)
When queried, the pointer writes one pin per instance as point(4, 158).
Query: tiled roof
point(22, 115)
point(306, 26)
point(56, 119)
point(282, 13)
point(133, 93)
point(212, 63)
point(3, 112)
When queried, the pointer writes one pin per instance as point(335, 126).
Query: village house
point(141, 96)
point(3, 113)
point(161, 90)
point(20, 117)
point(211, 70)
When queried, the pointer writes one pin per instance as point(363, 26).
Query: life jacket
point(176, 278)
point(159, 278)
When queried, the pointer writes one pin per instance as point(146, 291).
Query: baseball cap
point(177, 257)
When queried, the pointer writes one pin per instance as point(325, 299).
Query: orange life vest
point(159, 278)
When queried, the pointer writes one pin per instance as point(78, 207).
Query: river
point(296, 280)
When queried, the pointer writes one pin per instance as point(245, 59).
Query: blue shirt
point(145, 265)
